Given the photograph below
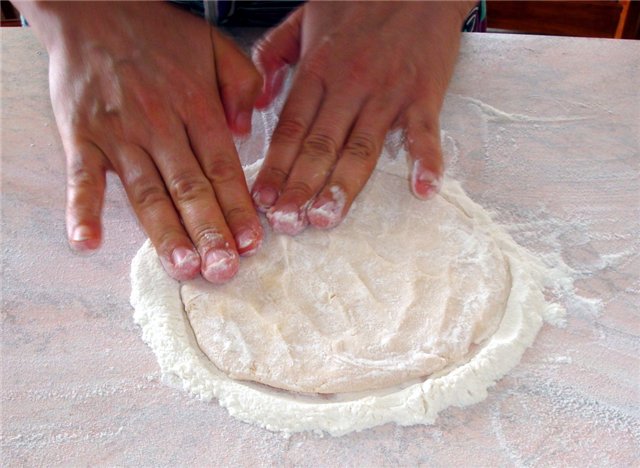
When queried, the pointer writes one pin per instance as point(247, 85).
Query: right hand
point(150, 91)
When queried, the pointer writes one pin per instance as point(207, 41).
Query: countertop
point(542, 131)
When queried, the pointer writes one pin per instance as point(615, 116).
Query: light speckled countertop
point(542, 131)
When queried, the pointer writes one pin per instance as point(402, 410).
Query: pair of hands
point(153, 93)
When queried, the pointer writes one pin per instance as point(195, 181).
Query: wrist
point(47, 18)
point(461, 9)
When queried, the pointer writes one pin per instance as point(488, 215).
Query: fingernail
point(185, 259)
point(265, 198)
point(248, 242)
point(84, 239)
point(81, 233)
point(243, 122)
point(424, 183)
point(327, 213)
point(182, 265)
point(220, 265)
point(288, 220)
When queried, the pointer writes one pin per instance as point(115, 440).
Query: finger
point(353, 169)
point(295, 120)
point(86, 169)
point(221, 166)
point(422, 137)
point(317, 157)
point(280, 47)
point(239, 83)
point(154, 209)
point(195, 200)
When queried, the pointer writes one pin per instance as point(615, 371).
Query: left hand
point(364, 68)
point(151, 92)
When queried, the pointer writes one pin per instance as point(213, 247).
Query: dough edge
point(165, 328)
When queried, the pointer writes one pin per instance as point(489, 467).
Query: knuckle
point(300, 189)
point(275, 174)
point(362, 147)
point(206, 235)
point(314, 66)
point(146, 196)
point(358, 74)
point(237, 215)
point(411, 72)
point(187, 188)
point(77, 119)
point(290, 130)
point(320, 143)
point(221, 170)
point(79, 177)
point(200, 107)
point(320, 148)
point(151, 103)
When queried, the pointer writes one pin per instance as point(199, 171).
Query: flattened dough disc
point(400, 290)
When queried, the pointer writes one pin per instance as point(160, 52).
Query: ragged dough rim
point(165, 328)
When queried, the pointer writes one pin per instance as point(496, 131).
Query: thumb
point(239, 82)
point(277, 49)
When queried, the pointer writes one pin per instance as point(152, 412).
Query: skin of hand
point(151, 92)
point(362, 69)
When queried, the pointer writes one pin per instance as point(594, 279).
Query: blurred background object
point(599, 18)
point(609, 18)
point(10, 16)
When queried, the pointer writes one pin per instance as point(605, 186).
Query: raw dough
point(400, 290)
point(159, 310)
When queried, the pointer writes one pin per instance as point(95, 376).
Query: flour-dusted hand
point(363, 68)
point(151, 92)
